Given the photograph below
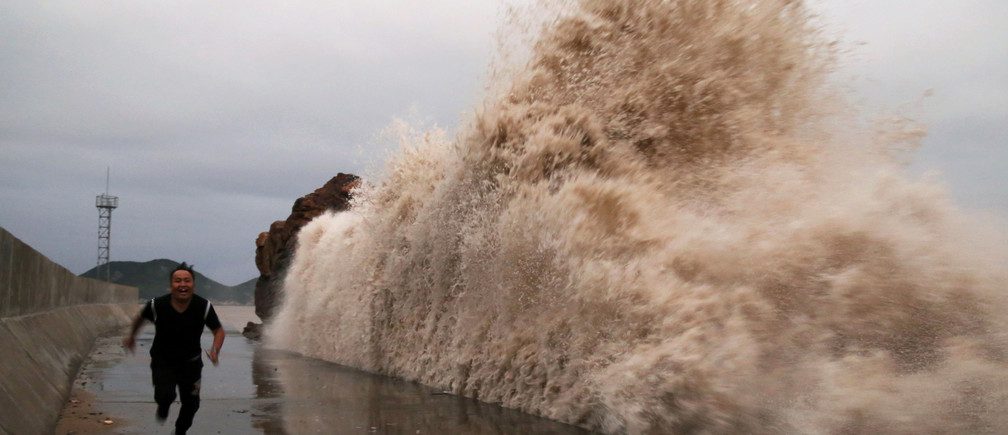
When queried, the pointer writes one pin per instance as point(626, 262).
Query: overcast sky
point(215, 116)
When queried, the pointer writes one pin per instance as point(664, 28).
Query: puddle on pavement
point(257, 390)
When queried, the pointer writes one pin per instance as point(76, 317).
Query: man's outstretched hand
point(212, 354)
point(129, 342)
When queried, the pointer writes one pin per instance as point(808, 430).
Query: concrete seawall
point(49, 319)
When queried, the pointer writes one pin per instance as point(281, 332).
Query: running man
point(176, 360)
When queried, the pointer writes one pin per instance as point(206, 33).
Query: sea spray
point(663, 225)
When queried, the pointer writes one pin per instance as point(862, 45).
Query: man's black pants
point(186, 377)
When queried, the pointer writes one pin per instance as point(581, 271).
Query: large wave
point(665, 224)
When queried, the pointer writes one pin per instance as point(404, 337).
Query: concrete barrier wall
point(49, 319)
point(31, 283)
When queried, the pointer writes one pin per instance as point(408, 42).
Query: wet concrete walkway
point(257, 390)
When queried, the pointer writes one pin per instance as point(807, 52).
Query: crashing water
point(665, 224)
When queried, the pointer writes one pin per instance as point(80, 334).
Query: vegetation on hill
point(151, 278)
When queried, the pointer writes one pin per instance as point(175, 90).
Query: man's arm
point(145, 314)
point(218, 341)
point(129, 342)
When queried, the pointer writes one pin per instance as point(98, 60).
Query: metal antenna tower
point(105, 204)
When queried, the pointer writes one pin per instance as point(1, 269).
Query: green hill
point(151, 278)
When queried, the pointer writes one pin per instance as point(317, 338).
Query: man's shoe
point(162, 414)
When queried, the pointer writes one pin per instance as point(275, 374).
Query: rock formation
point(275, 247)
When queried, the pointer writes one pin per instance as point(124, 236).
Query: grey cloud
point(213, 116)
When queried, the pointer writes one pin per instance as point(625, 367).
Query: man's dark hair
point(184, 267)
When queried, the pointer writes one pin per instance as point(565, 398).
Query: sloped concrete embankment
point(49, 319)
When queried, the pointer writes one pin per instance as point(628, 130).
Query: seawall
point(49, 319)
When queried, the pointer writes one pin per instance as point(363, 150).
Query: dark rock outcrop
point(274, 248)
point(252, 331)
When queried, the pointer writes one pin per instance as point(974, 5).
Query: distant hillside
point(152, 279)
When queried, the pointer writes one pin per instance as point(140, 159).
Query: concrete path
point(256, 390)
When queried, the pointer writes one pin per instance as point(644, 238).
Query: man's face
point(182, 285)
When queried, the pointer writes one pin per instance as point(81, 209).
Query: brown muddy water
point(668, 218)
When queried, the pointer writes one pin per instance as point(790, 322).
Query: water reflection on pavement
point(301, 395)
point(257, 390)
